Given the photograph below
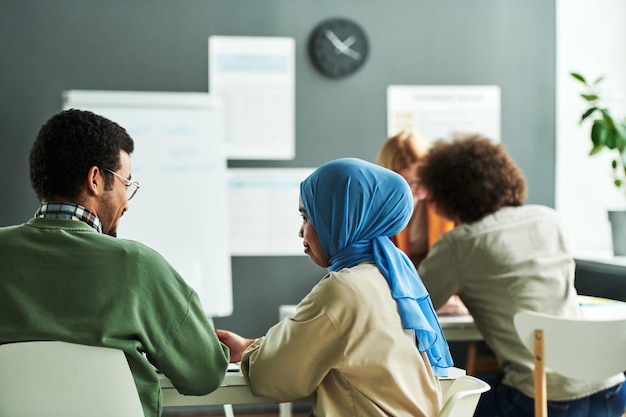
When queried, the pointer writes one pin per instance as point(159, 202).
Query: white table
point(460, 328)
point(602, 258)
point(601, 308)
point(463, 329)
point(235, 390)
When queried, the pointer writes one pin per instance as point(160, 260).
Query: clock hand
point(350, 52)
point(339, 46)
point(343, 47)
point(349, 41)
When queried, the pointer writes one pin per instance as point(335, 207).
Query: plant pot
point(618, 231)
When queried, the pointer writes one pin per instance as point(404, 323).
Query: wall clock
point(338, 47)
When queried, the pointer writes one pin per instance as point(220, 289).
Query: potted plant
point(607, 132)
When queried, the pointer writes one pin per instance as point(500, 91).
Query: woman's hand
point(235, 343)
point(453, 307)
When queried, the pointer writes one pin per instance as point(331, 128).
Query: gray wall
point(161, 45)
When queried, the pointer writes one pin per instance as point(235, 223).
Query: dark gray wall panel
point(159, 45)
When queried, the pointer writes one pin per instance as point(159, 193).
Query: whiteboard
point(181, 208)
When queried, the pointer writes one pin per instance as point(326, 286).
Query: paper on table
point(601, 308)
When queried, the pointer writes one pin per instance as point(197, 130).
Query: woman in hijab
point(366, 340)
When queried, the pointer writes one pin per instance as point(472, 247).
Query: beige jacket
point(345, 347)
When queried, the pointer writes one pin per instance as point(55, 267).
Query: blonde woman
point(402, 153)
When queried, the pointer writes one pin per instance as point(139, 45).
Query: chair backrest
point(58, 379)
point(462, 397)
point(583, 349)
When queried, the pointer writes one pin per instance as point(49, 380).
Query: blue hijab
point(355, 206)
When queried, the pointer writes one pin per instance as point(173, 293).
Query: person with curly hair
point(66, 277)
point(503, 257)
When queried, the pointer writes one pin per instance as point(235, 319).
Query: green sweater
point(62, 280)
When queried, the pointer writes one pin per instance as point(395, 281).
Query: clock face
point(338, 47)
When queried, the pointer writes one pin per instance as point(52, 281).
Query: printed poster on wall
point(436, 112)
point(271, 229)
point(255, 79)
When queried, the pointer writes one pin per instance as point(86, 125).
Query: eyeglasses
point(131, 186)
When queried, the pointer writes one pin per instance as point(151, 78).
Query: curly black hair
point(470, 177)
point(68, 145)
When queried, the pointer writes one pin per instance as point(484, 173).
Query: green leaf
point(578, 77)
point(606, 132)
point(599, 131)
point(588, 113)
point(608, 118)
point(611, 141)
point(590, 97)
point(596, 149)
point(620, 129)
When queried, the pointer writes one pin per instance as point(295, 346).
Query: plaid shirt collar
point(68, 211)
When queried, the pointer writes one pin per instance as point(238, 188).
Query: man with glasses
point(65, 276)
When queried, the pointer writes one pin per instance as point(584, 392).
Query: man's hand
point(235, 343)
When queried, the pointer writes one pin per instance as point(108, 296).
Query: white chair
point(583, 349)
point(58, 379)
point(462, 397)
